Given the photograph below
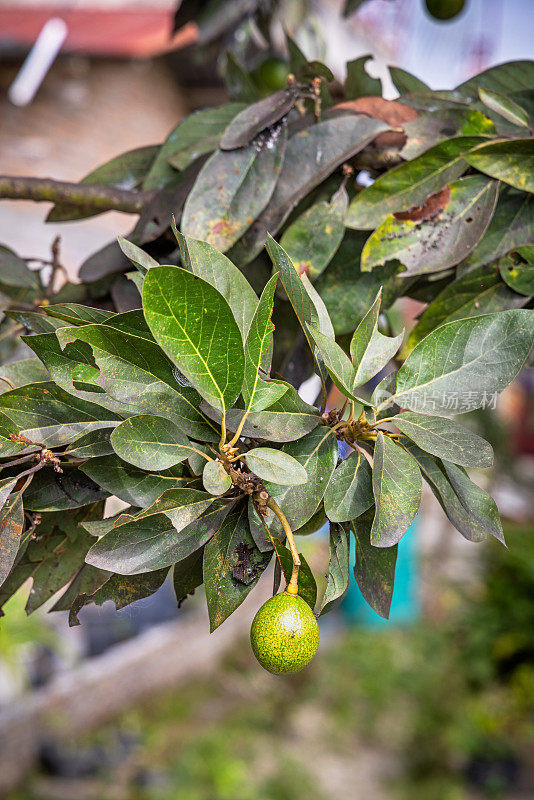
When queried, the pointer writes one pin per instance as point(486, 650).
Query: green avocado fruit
point(284, 634)
point(444, 9)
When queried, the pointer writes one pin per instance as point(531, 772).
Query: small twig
point(9, 383)
point(292, 586)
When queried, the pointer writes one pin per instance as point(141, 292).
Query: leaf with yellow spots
point(510, 161)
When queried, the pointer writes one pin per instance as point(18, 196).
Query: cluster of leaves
point(183, 406)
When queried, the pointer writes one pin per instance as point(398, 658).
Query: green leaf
point(317, 453)
point(141, 260)
point(336, 361)
point(275, 466)
point(194, 136)
point(150, 442)
point(437, 126)
point(14, 270)
point(347, 291)
point(187, 575)
point(471, 295)
point(197, 134)
point(256, 118)
point(337, 584)
point(287, 419)
point(53, 491)
point(134, 371)
point(437, 479)
point(258, 394)
point(232, 189)
point(374, 569)
point(125, 171)
point(445, 439)
point(311, 156)
point(438, 240)
point(194, 325)
point(149, 540)
point(45, 413)
point(215, 478)
point(462, 364)
point(92, 444)
point(509, 161)
point(504, 106)
point(313, 238)
point(512, 226)
point(7, 446)
point(512, 76)
point(232, 567)
point(369, 349)
point(11, 526)
point(239, 84)
point(76, 314)
point(129, 483)
point(208, 263)
point(28, 370)
point(350, 491)
point(475, 500)
point(406, 83)
point(358, 82)
point(411, 183)
point(397, 489)
point(306, 581)
point(517, 269)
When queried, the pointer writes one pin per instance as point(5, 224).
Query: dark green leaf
point(410, 184)
point(306, 581)
point(125, 171)
point(478, 292)
point(58, 491)
point(208, 263)
point(461, 365)
point(232, 189)
point(512, 76)
point(275, 466)
point(517, 269)
point(198, 134)
point(135, 372)
point(150, 442)
point(437, 126)
point(239, 84)
point(439, 240)
point(475, 500)
point(188, 575)
point(374, 569)
point(397, 488)
point(92, 444)
point(350, 491)
point(130, 483)
point(7, 446)
point(512, 225)
point(194, 325)
point(14, 270)
point(369, 349)
point(510, 161)
point(405, 82)
point(313, 238)
point(337, 584)
point(215, 478)
point(445, 439)
point(504, 106)
point(123, 590)
point(149, 540)
point(258, 393)
point(28, 370)
point(311, 156)
point(76, 314)
point(46, 413)
point(358, 82)
point(106, 261)
point(256, 118)
point(232, 567)
point(317, 453)
point(11, 525)
point(347, 292)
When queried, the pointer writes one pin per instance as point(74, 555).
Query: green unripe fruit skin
point(284, 634)
point(444, 9)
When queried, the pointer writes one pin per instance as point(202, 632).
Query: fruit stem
point(292, 586)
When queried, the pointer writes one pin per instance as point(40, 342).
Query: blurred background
point(142, 704)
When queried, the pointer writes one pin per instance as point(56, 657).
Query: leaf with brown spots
point(392, 112)
point(439, 241)
point(11, 525)
point(232, 189)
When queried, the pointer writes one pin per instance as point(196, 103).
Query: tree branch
point(90, 196)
